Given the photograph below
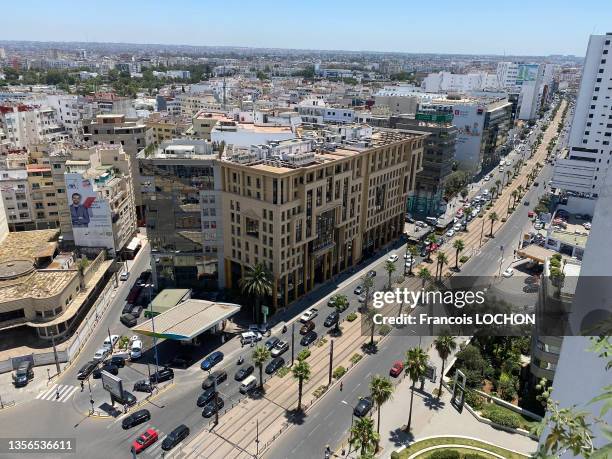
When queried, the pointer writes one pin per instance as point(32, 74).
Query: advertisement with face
point(90, 215)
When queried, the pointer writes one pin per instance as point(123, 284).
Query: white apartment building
point(70, 111)
point(26, 125)
point(586, 163)
point(453, 82)
point(316, 111)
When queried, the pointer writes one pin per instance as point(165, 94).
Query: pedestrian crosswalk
point(58, 393)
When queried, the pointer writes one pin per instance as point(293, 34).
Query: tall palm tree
point(390, 268)
point(458, 245)
point(363, 436)
point(514, 195)
point(445, 345)
point(425, 275)
point(301, 372)
point(381, 391)
point(441, 260)
point(498, 184)
point(431, 239)
point(492, 218)
point(493, 190)
point(508, 174)
point(260, 355)
point(257, 283)
point(367, 284)
point(416, 367)
point(413, 252)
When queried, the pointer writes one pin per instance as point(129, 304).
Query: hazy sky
point(534, 27)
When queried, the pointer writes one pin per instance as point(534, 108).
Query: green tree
point(424, 275)
point(463, 193)
point(416, 367)
point(459, 246)
point(444, 345)
point(301, 372)
point(257, 283)
point(260, 355)
point(367, 284)
point(413, 253)
point(381, 391)
point(441, 260)
point(390, 268)
point(363, 436)
point(341, 303)
point(431, 239)
point(492, 218)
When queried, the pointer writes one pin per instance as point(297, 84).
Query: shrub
point(351, 317)
point(356, 358)
point(283, 372)
point(303, 354)
point(501, 416)
point(319, 391)
point(384, 329)
point(464, 258)
point(322, 342)
point(473, 456)
point(339, 372)
point(475, 400)
point(503, 220)
point(445, 454)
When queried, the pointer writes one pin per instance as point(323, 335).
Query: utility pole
point(292, 343)
point(331, 361)
point(216, 402)
point(57, 365)
point(257, 437)
point(481, 231)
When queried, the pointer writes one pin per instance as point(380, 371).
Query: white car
point(587, 225)
point(309, 315)
point(124, 275)
point(509, 272)
point(487, 178)
point(467, 205)
point(407, 256)
point(101, 354)
point(110, 341)
point(393, 258)
point(457, 226)
point(279, 348)
point(450, 233)
point(420, 224)
point(409, 263)
point(500, 168)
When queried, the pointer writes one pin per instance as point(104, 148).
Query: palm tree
point(363, 436)
point(367, 284)
point(257, 283)
point(508, 174)
point(413, 252)
point(442, 260)
point(301, 372)
point(467, 211)
point(381, 391)
point(445, 345)
point(498, 184)
point(493, 190)
point(415, 366)
point(260, 355)
point(341, 303)
point(431, 239)
point(424, 275)
point(458, 245)
point(390, 268)
point(492, 218)
point(514, 195)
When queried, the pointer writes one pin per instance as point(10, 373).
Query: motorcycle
point(240, 360)
point(284, 329)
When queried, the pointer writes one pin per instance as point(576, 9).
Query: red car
point(145, 440)
point(396, 369)
point(531, 214)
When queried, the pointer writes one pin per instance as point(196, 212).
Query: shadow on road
point(433, 403)
point(295, 417)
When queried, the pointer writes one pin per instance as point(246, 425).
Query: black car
point(136, 311)
point(137, 417)
point(217, 376)
point(128, 320)
point(526, 202)
point(144, 277)
point(108, 367)
point(127, 308)
point(165, 374)
point(117, 360)
point(128, 399)
point(143, 386)
point(308, 338)
point(274, 365)
point(363, 407)
point(371, 273)
point(206, 397)
point(271, 343)
point(332, 319)
point(175, 437)
point(87, 369)
point(244, 372)
point(209, 409)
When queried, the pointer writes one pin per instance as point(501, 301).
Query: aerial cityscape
point(301, 231)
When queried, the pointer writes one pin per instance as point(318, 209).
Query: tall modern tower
point(584, 168)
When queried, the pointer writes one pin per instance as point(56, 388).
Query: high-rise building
point(587, 160)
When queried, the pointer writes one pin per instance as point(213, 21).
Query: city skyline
point(525, 34)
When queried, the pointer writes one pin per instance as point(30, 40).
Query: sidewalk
point(430, 417)
point(11, 395)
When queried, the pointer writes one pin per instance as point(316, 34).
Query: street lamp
point(344, 402)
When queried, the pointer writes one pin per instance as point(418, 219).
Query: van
point(433, 221)
point(248, 384)
point(23, 373)
point(249, 337)
point(136, 349)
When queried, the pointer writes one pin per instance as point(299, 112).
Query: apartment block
point(166, 127)
point(26, 125)
point(309, 209)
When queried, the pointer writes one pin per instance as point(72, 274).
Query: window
point(252, 227)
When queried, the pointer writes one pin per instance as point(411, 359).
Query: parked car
point(309, 315)
point(531, 214)
point(396, 369)
point(145, 440)
point(136, 349)
point(308, 338)
point(526, 202)
point(279, 348)
point(371, 273)
point(457, 226)
point(127, 307)
point(250, 337)
point(109, 368)
point(205, 397)
point(110, 341)
point(216, 377)
point(363, 407)
point(271, 342)
point(165, 374)
point(358, 290)
point(101, 354)
point(124, 275)
point(244, 372)
point(143, 385)
point(211, 360)
point(87, 369)
point(393, 258)
point(137, 417)
point(136, 310)
point(175, 437)
point(274, 365)
point(307, 327)
point(127, 399)
point(332, 319)
point(509, 272)
point(23, 374)
point(128, 320)
point(450, 233)
point(209, 409)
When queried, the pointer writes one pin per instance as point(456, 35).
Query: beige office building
point(309, 210)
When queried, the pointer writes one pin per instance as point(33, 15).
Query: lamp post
point(344, 402)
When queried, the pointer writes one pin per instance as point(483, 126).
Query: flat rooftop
point(187, 320)
point(38, 284)
point(28, 245)
point(169, 297)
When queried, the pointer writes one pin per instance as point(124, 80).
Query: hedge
point(303, 354)
point(339, 372)
point(501, 416)
point(445, 454)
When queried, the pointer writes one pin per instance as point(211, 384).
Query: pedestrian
point(341, 386)
point(56, 393)
point(82, 386)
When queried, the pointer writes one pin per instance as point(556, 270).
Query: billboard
point(112, 384)
point(527, 72)
point(469, 121)
point(90, 215)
